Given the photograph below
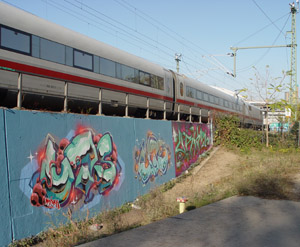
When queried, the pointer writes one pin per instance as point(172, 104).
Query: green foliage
point(229, 133)
point(286, 142)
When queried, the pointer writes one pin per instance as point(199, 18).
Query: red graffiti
point(38, 195)
point(50, 203)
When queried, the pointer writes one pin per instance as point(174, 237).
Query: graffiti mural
point(152, 158)
point(73, 171)
point(189, 141)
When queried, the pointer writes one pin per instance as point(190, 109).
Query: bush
point(229, 133)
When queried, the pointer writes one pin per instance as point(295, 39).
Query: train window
point(69, 56)
point(128, 73)
point(14, 40)
point(157, 82)
point(154, 81)
point(221, 101)
point(35, 46)
point(190, 92)
point(144, 78)
point(226, 104)
point(216, 100)
point(136, 76)
point(118, 70)
point(107, 67)
point(205, 96)
point(96, 64)
point(199, 95)
point(83, 60)
point(161, 84)
point(52, 51)
point(211, 99)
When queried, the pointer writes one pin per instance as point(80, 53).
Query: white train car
point(47, 61)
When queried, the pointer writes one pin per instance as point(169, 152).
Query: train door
point(174, 90)
point(169, 89)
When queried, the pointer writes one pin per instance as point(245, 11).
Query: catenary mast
point(293, 99)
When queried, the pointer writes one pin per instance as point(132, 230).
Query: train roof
point(20, 19)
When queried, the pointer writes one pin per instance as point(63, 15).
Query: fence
point(51, 162)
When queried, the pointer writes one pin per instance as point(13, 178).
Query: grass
point(269, 174)
point(266, 173)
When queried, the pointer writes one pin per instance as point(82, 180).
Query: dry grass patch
point(266, 173)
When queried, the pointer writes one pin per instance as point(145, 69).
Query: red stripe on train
point(28, 69)
point(67, 77)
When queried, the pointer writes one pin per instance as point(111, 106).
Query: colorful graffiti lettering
point(190, 141)
point(152, 158)
point(73, 172)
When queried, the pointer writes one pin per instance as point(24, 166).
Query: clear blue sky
point(156, 29)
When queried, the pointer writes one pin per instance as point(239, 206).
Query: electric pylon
point(293, 72)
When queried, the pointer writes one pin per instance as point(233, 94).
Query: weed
point(168, 185)
point(264, 173)
point(264, 185)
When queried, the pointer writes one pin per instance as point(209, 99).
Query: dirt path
point(219, 165)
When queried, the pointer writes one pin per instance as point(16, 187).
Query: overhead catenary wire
point(164, 28)
point(125, 26)
point(260, 30)
point(119, 23)
point(99, 27)
point(133, 37)
point(80, 7)
point(160, 25)
point(134, 10)
point(264, 54)
point(267, 16)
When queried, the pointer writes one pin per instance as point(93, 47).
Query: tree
point(268, 89)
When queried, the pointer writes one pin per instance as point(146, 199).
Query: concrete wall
point(51, 162)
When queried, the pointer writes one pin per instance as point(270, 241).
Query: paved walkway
point(236, 221)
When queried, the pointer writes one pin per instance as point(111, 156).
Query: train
point(44, 65)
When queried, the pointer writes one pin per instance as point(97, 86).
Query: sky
point(201, 31)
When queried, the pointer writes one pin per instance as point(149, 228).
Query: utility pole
point(293, 100)
point(293, 96)
point(177, 59)
point(235, 49)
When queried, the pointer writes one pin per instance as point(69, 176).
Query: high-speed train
point(47, 57)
